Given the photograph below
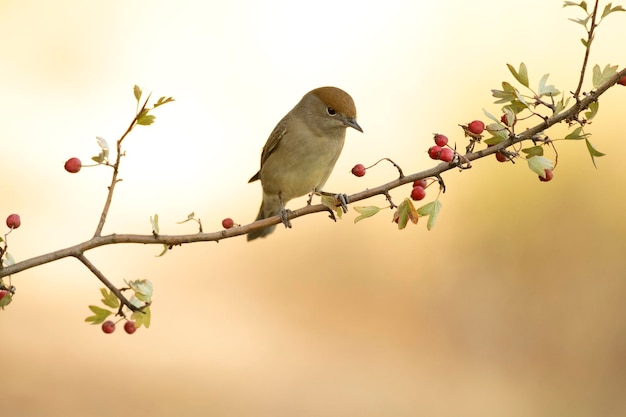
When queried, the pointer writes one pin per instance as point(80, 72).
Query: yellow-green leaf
point(365, 212)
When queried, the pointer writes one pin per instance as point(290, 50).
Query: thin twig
point(587, 51)
point(81, 257)
point(116, 166)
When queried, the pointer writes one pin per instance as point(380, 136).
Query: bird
point(302, 150)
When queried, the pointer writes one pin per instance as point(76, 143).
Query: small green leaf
point(142, 318)
point(432, 211)
point(546, 90)
point(100, 315)
point(9, 260)
point(137, 93)
point(593, 152)
point(593, 110)
point(405, 212)
point(602, 76)
point(154, 221)
point(331, 202)
point(109, 300)
point(491, 116)
point(497, 130)
point(143, 289)
point(365, 212)
point(161, 101)
point(577, 134)
point(521, 75)
point(582, 22)
point(608, 9)
point(164, 251)
point(582, 4)
point(145, 119)
point(539, 164)
point(533, 151)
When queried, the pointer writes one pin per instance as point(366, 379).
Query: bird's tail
point(266, 210)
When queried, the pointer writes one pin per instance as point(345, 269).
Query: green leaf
point(533, 151)
point(577, 134)
point(561, 104)
point(582, 4)
point(539, 164)
point(161, 101)
point(142, 318)
point(143, 289)
point(593, 152)
point(521, 75)
point(331, 202)
point(608, 9)
point(9, 259)
point(432, 211)
point(582, 22)
point(110, 299)
point(602, 76)
point(100, 315)
point(498, 130)
point(145, 119)
point(405, 212)
point(365, 212)
point(546, 90)
point(506, 95)
point(593, 110)
point(491, 116)
point(164, 251)
point(154, 221)
point(137, 93)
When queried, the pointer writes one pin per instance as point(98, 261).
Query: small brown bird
point(302, 150)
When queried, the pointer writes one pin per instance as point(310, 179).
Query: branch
point(116, 166)
point(592, 28)
point(176, 240)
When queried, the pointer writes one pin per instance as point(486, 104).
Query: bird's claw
point(284, 217)
point(343, 201)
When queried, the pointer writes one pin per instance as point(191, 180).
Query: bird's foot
point(284, 216)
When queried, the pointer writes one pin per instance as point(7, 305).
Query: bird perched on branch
point(302, 150)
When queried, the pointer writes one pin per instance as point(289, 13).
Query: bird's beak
point(352, 123)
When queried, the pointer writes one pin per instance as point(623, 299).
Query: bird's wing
point(272, 142)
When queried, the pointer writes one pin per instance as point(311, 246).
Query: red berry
point(434, 152)
point(73, 165)
point(446, 155)
point(3, 293)
point(418, 193)
point(504, 120)
point(476, 127)
point(501, 157)
point(441, 140)
point(548, 176)
point(622, 81)
point(129, 327)
point(358, 170)
point(108, 327)
point(13, 221)
point(227, 223)
point(421, 183)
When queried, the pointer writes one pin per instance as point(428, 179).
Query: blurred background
point(512, 305)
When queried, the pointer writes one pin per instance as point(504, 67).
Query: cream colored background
point(512, 306)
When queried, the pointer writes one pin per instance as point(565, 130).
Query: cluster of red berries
point(108, 327)
point(419, 190)
point(441, 151)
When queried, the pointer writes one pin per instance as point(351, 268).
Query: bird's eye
point(330, 111)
